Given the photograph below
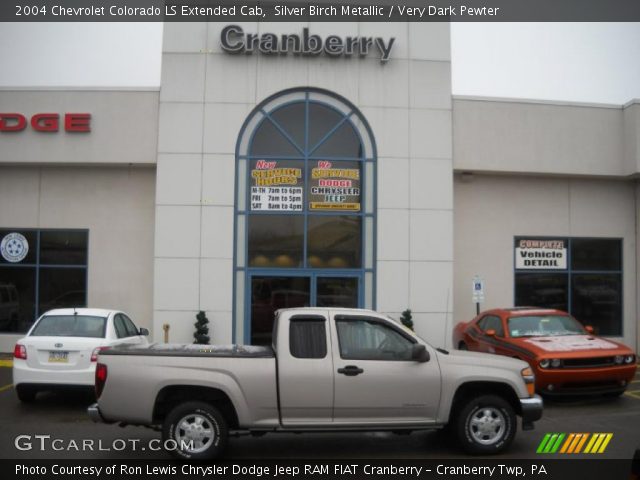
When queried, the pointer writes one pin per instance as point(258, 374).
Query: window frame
point(118, 317)
point(569, 272)
point(363, 318)
point(38, 266)
point(295, 319)
point(499, 332)
point(365, 272)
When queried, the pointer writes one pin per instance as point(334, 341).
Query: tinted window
point(17, 308)
point(119, 325)
point(276, 240)
point(269, 140)
point(597, 301)
point(371, 340)
point(596, 254)
point(545, 290)
point(132, 331)
point(41, 270)
point(589, 286)
point(308, 338)
point(70, 326)
point(334, 242)
point(337, 292)
point(62, 288)
point(491, 322)
point(63, 247)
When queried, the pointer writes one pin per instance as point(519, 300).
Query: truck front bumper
point(531, 411)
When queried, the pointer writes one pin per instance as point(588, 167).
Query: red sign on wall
point(46, 122)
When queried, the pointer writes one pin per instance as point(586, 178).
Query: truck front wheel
point(195, 431)
point(485, 425)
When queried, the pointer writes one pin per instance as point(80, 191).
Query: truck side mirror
point(490, 333)
point(419, 353)
point(589, 329)
point(143, 331)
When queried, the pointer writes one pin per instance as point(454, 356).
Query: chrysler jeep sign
point(233, 39)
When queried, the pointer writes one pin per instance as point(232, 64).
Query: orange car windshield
point(544, 326)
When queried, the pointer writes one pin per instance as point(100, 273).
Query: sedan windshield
point(543, 326)
point(70, 326)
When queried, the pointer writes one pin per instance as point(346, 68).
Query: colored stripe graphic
point(573, 443)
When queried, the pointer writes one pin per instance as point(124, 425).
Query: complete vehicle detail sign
point(543, 254)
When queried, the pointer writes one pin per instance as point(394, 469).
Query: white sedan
point(61, 349)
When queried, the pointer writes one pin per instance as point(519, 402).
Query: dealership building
point(320, 164)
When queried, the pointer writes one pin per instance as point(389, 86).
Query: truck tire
point(485, 425)
point(198, 429)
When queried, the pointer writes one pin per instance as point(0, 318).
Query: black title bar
point(319, 11)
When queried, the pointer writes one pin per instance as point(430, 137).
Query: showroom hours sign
point(276, 187)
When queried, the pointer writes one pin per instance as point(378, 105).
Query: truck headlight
point(555, 363)
point(629, 358)
point(544, 363)
point(618, 359)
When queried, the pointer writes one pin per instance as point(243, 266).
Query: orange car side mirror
point(589, 328)
point(490, 333)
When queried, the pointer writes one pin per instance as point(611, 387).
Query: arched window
point(305, 209)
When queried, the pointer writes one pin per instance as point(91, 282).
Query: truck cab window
point(308, 338)
point(369, 340)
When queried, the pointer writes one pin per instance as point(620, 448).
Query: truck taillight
point(20, 351)
point(101, 378)
point(96, 351)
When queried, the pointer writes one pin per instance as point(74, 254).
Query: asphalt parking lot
point(62, 417)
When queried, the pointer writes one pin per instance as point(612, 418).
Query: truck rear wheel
point(195, 431)
point(485, 425)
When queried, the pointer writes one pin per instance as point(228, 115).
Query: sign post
point(477, 292)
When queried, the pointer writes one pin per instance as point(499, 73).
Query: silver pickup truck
point(327, 370)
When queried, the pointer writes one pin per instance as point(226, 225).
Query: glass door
point(270, 293)
point(273, 292)
point(337, 292)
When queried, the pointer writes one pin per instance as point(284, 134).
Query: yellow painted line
point(6, 363)
point(6, 387)
point(633, 393)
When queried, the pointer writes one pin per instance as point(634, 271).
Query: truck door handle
point(350, 371)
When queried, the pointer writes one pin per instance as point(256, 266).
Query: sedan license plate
point(58, 357)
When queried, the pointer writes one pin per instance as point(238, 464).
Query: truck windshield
point(70, 326)
point(544, 326)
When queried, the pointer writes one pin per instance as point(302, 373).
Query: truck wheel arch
point(171, 396)
point(469, 390)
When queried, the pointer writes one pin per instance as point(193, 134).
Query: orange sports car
point(565, 356)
